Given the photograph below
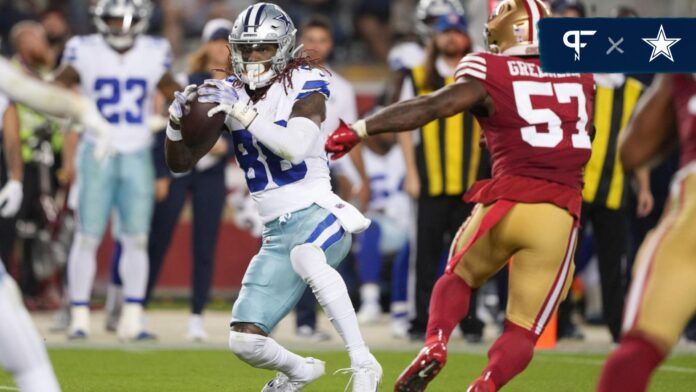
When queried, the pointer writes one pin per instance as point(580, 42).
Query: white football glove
point(92, 119)
point(225, 95)
point(181, 104)
point(11, 198)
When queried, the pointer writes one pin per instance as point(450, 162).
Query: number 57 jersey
point(121, 85)
point(539, 134)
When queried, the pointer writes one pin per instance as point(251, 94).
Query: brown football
point(197, 129)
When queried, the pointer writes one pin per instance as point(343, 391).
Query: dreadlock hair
point(284, 76)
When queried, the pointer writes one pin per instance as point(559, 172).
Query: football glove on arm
point(344, 138)
point(179, 107)
point(291, 142)
point(11, 198)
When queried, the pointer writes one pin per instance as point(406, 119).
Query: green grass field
point(143, 369)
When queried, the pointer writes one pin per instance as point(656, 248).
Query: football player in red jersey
point(536, 127)
point(662, 297)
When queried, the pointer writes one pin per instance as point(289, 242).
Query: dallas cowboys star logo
point(661, 45)
point(283, 19)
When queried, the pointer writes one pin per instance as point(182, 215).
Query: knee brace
point(138, 242)
point(306, 260)
point(248, 347)
point(309, 261)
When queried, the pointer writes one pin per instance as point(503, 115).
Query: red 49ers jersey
point(684, 96)
point(539, 131)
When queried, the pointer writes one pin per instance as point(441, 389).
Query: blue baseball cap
point(451, 22)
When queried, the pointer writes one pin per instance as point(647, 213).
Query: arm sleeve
point(39, 95)
point(292, 142)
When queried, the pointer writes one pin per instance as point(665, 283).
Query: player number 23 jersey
point(121, 85)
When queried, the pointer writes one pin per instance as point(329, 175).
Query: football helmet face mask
point(512, 30)
point(134, 15)
point(428, 11)
point(261, 24)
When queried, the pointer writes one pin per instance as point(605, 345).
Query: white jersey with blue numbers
point(277, 186)
point(122, 85)
point(387, 174)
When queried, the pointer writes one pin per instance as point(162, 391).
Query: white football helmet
point(134, 13)
point(262, 23)
point(428, 11)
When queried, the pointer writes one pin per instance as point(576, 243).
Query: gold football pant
point(662, 297)
point(539, 239)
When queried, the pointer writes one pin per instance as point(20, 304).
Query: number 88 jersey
point(278, 186)
point(121, 84)
point(542, 121)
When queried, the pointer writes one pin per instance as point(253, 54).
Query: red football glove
point(341, 141)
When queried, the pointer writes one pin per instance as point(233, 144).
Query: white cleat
point(131, 326)
point(281, 382)
point(369, 313)
point(399, 327)
point(366, 377)
point(79, 322)
point(196, 332)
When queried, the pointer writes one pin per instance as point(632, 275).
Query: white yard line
point(597, 362)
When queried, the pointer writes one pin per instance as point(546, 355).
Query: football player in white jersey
point(21, 350)
point(391, 213)
point(275, 105)
point(120, 68)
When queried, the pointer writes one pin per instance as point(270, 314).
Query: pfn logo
point(576, 44)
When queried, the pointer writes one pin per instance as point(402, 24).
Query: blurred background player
point(536, 175)
point(317, 40)
point(409, 53)
point(21, 349)
point(11, 192)
point(40, 147)
point(205, 183)
point(660, 301)
point(275, 106)
point(120, 68)
point(442, 163)
point(387, 236)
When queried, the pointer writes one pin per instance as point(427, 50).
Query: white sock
point(134, 267)
point(265, 353)
point(82, 265)
point(21, 350)
point(369, 293)
point(131, 322)
point(328, 287)
point(38, 379)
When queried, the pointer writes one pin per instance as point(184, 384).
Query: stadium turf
point(142, 369)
